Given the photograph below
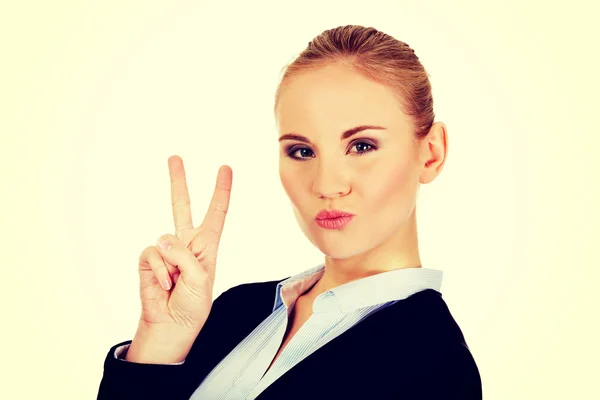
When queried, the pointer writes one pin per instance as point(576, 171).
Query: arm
point(450, 374)
point(131, 380)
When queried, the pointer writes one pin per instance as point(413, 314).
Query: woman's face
point(373, 174)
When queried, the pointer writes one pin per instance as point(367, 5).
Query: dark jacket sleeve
point(451, 374)
point(129, 380)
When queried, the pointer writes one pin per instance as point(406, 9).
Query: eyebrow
point(345, 135)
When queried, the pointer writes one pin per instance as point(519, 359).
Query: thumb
point(174, 252)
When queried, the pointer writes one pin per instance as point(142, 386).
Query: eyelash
point(291, 150)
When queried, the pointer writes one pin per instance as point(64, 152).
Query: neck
point(401, 250)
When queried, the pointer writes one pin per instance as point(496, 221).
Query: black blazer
point(410, 350)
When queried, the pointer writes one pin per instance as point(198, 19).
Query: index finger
point(180, 198)
point(214, 220)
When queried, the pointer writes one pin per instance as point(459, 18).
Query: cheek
point(290, 182)
point(394, 186)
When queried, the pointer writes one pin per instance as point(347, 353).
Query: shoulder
point(431, 318)
point(444, 358)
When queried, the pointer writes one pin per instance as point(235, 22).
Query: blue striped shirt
point(240, 374)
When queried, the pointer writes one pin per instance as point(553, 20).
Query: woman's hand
point(177, 275)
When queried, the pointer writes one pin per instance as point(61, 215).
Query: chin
point(335, 244)
point(340, 254)
point(341, 249)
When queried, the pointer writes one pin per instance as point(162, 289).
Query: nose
point(329, 181)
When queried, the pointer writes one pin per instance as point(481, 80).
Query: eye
point(362, 145)
point(306, 152)
point(303, 151)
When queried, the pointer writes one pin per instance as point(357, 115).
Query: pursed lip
point(332, 214)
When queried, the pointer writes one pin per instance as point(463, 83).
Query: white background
point(95, 96)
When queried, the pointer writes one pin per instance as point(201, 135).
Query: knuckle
point(180, 201)
point(154, 266)
point(160, 267)
point(223, 186)
point(144, 251)
point(153, 256)
point(220, 208)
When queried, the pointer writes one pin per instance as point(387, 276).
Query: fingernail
point(164, 244)
point(166, 284)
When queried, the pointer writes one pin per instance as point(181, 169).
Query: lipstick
point(333, 219)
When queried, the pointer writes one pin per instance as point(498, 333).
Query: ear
point(433, 150)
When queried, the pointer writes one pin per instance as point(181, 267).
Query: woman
point(357, 138)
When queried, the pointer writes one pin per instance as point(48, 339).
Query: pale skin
point(173, 314)
point(379, 186)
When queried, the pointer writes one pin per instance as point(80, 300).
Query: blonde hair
point(377, 56)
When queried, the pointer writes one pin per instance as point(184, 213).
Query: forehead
point(336, 97)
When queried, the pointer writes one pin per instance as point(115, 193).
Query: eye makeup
point(371, 146)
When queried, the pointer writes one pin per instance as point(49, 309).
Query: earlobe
point(426, 175)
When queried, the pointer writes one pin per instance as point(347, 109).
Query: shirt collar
point(297, 284)
point(380, 288)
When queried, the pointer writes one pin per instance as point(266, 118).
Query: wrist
point(153, 344)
